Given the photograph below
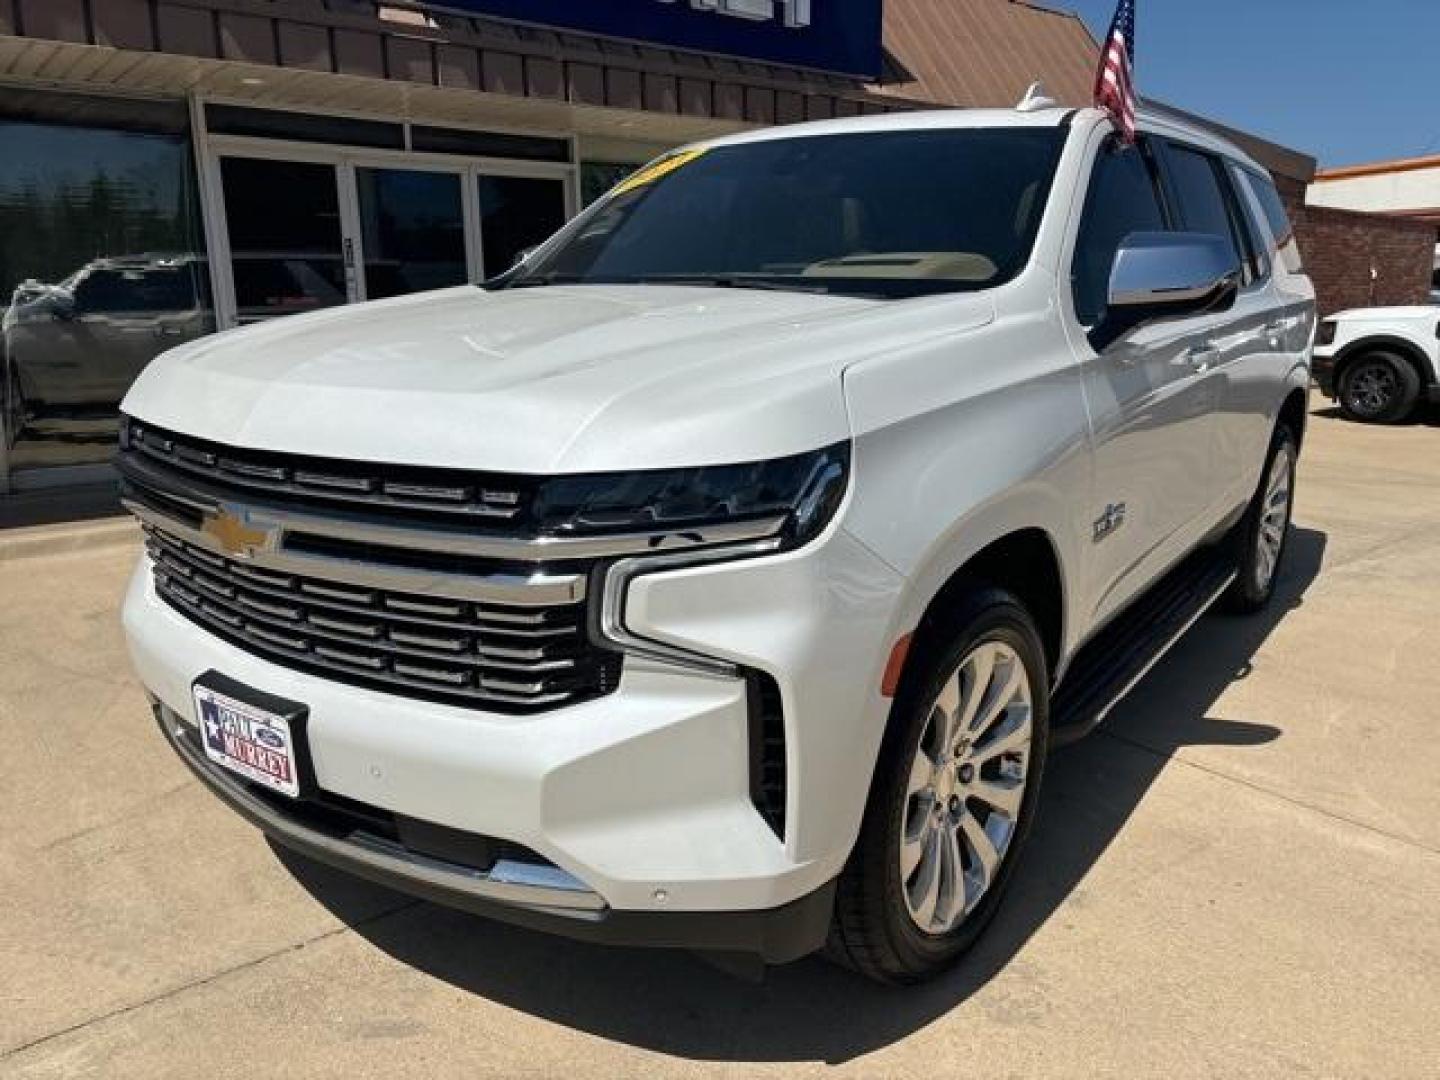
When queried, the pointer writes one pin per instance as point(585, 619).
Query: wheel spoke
point(922, 771)
point(1013, 736)
point(950, 903)
point(947, 707)
point(925, 893)
point(983, 856)
point(912, 850)
point(999, 700)
point(1003, 795)
point(982, 664)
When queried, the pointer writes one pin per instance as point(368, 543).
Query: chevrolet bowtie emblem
point(228, 528)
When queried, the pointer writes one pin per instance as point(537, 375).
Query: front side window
point(890, 214)
point(1123, 199)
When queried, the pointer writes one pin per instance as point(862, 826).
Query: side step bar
point(1120, 655)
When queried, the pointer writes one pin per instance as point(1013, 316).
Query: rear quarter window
point(1276, 217)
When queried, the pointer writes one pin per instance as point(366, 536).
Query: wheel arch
point(1295, 411)
point(1025, 562)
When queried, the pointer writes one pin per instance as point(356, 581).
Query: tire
point(1379, 387)
point(1261, 536)
point(885, 925)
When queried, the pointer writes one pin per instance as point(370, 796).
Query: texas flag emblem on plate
point(248, 741)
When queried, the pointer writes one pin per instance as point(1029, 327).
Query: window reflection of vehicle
point(84, 340)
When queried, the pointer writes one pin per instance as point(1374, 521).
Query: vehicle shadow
point(811, 1011)
point(1426, 415)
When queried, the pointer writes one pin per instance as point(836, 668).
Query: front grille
point(445, 494)
point(484, 654)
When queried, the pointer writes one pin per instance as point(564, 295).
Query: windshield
point(888, 214)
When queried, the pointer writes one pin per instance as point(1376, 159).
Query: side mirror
point(524, 255)
point(1166, 275)
point(62, 305)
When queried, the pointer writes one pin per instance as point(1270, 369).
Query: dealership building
point(173, 167)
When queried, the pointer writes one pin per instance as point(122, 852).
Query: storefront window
point(101, 268)
point(516, 213)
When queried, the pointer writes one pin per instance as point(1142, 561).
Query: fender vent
point(768, 777)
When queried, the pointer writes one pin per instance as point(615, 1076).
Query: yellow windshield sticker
point(651, 173)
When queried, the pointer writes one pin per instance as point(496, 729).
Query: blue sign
point(839, 36)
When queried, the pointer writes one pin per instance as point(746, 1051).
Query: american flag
point(1115, 83)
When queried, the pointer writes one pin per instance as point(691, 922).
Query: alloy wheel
point(1274, 516)
point(966, 787)
point(1371, 388)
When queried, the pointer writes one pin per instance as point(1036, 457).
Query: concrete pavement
point(1239, 876)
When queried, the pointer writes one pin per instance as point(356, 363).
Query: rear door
point(1245, 343)
point(1151, 401)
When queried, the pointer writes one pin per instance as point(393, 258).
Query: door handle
point(1198, 358)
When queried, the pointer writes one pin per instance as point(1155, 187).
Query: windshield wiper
point(737, 281)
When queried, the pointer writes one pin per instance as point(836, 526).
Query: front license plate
point(248, 740)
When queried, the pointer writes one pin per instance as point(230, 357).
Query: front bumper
point(515, 892)
point(640, 800)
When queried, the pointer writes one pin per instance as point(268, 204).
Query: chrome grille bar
point(469, 657)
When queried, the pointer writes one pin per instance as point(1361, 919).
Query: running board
point(1119, 656)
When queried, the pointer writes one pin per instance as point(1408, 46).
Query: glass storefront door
point(322, 228)
point(516, 213)
point(287, 250)
point(412, 224)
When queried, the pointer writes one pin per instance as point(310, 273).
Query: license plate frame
point(257, 738)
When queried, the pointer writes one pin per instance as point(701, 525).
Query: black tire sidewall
point(1402, 402)
point(988, 615)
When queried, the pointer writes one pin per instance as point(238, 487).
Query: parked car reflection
point(83, 341)
point(72, 348)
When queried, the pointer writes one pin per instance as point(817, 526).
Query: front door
point(1150, 393)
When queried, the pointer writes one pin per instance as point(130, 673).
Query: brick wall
point(1361, 260)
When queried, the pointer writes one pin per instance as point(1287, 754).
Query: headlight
point(693, 516)
point(794, 496)
point(1326, 334)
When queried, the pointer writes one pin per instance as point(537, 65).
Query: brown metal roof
point(985, 52)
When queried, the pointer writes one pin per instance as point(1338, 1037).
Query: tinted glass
point(1273, 206)
point(892, 213)
point(1203, 205)
point(136, 289)
point(517, 212)
point(285, 253)
point(413, 226)
point(101, 269)
point(1277, 217)
point(1123, 199)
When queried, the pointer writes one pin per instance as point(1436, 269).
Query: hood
point(545, 380)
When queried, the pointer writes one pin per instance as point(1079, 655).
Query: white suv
point(1379, 364)
point(719, 577)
